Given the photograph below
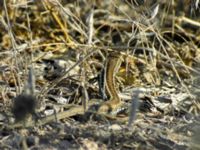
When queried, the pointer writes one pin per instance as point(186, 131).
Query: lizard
point(114, 103)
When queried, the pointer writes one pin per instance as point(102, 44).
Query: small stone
point(2, 117)
point(115, 127)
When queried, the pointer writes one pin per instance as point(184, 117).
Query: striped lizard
point(112, 66)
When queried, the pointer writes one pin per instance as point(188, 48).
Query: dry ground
point(55, 50)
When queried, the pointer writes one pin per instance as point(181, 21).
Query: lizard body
point(112, 66)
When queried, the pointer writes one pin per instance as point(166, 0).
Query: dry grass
point(66, 44)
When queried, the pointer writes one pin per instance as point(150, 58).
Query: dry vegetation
point(55, 49)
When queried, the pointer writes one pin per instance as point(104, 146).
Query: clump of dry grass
point(70, 39)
